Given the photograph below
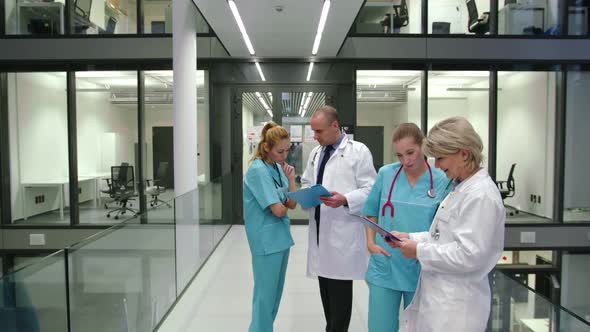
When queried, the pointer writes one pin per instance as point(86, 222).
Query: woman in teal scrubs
point(266, 184)
point(390, 276)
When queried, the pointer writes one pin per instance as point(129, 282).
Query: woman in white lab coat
point(465, 239)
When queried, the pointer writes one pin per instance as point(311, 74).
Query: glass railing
point(515, 307)
point(124, 278)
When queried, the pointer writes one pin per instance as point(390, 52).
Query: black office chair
point(477, 24)
point(123, 186)
point(159, 186)
point(507, 188)
point(109, 190)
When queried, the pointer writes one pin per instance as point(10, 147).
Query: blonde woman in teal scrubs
point(266, 184)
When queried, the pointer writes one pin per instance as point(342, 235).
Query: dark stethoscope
point(389, 204)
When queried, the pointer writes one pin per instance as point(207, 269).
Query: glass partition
point(458, 17)
point(575, 293)
point(33, 297)
point(94, 17)
point(460, 93)
point(157, 16)
point(531, 17)
point(38, 136)
point(389, 17)
point(384, 100)
point(124, 280)
point(106, 105)
point(525, 141)
point(576, 201)
point(578, 18)
point(517, 308)
point(35, 17)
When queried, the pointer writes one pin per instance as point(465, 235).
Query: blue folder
point(309, 197)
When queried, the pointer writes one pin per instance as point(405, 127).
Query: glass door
point(297, 107)
point(256, 112)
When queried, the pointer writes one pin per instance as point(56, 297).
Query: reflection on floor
point(525, 218)
point(574, 215)
point(220, 297)
point(92, 214)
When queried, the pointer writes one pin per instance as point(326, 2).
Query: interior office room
point(107, 121)
point(127, 123)
point(515, 17)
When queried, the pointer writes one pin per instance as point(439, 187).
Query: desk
point(51, 11)
point(60, 185)
point(536, 324)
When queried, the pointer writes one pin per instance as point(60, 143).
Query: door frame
point(237, 131)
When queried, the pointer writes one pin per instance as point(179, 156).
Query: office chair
point(123, 186)
point(507, 188)
point(400, 17)
point(477, 24)
point(109, 190)
point(159, 186)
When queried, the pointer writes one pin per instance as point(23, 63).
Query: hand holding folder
point(309, 197)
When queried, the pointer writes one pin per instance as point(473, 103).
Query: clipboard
point(309, 197)
point(380, 230)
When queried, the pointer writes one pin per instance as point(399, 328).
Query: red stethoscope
point(430, 191)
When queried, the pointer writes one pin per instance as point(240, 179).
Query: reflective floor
point(219, 299)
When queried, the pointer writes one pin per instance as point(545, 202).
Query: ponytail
point(271, 134)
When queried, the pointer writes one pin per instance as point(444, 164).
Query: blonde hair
point(272, 133)
point(408, 129)
point(451, 136)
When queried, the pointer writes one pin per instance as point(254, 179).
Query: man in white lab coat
point(337, 249)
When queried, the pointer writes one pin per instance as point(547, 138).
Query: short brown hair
point(328, 112)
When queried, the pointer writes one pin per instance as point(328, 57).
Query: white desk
point(60, 185)
point(536, 324)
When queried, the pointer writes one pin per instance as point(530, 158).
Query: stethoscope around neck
point(389, 204)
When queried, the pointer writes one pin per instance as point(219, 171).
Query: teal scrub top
point(414, 212)
point(265, 185)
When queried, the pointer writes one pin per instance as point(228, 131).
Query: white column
point(184, 49)
point(184, 57)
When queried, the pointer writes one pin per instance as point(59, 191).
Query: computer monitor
point(83, 7)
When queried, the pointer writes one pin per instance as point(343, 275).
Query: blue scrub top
point(265, 185)
point(414, 212)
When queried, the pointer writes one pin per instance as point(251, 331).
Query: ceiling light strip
point(238, 18)
point(260, 71)
point(318, 36)
point(309, 71)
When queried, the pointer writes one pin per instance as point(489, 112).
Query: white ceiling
point(289, 33)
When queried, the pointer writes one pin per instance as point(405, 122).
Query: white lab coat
point(342, 252)
point(453, 292)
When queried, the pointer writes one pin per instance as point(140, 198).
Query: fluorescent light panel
point(260, 71)
point(321, 25)
point(309, 71)
point(238, 18)
point(264, 104)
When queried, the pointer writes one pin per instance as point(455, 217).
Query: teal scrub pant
point(384, 308)
point(269, 279)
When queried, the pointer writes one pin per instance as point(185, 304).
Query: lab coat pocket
point(276, 237)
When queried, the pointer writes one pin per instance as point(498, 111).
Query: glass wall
point(38, 136)
point(157, 16)
point(35, 17)
point(574, 283)
point(525, 139)
point(389, 17)
point(105, 17)
point(385, 99)
point(457, 16)
point(532, 17)
point(577, 160)
point(578, 18)
point(106, 104)
point(460, 93)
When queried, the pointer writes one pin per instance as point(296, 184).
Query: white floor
point(220, 297)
